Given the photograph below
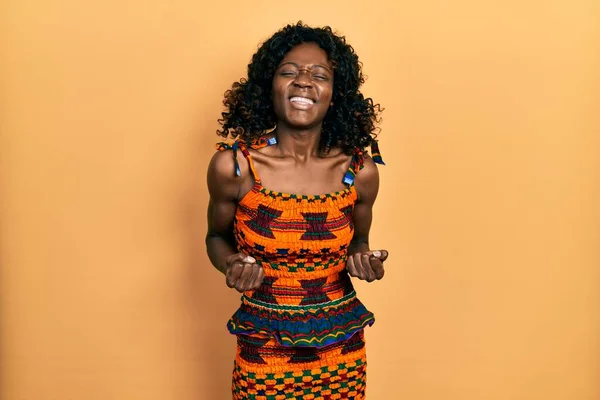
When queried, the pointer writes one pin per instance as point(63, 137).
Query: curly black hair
point(349, 124)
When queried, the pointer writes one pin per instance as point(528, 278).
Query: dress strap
point(358, 162)
point(248, 157)
point(222, 146)
point(243, 147)
point(375, 153)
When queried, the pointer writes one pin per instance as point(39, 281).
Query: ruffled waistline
point(315, 325)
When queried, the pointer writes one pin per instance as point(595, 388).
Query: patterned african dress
point(300, 334)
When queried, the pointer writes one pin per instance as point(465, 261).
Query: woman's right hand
point(242, 272)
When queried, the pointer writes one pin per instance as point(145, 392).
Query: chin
point(302, 124)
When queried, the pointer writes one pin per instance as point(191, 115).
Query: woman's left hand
point(368, 265)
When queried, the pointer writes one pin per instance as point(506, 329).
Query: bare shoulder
point(223, 182)
point(222, 164)
point(367, 181)
point(369, 170)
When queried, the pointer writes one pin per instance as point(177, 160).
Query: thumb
point(375, 253)
point(241, 257)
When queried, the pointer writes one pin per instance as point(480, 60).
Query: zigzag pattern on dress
point(300, 334)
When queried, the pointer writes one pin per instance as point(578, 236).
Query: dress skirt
point(266, 370)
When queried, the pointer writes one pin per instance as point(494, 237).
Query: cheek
point(278, 97)
point(278, 93)
point(327, 93)
point(278, 86)
point(327, 90)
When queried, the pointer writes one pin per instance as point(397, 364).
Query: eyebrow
point(297, 66)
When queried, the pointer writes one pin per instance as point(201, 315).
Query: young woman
point(289, 216)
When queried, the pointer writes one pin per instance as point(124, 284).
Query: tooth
point(301, 100)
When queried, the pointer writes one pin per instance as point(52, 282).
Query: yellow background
point(489, 204)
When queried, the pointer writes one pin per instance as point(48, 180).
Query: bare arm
point(240, 270)
point(367, 187)
point(362, 262)
point(223, 187)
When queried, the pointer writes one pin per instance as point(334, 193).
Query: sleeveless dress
point(300, 334)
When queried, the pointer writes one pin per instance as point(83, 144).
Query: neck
point(298, 143)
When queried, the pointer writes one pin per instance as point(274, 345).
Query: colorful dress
point(300, 334)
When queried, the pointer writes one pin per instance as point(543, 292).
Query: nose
point(303, 79)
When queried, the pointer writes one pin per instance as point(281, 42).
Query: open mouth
point(302, 100)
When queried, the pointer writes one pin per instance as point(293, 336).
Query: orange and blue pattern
point(305, 316)
point(265, 370)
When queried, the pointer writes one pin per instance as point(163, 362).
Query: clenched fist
point(368, 265)
point(243, 273)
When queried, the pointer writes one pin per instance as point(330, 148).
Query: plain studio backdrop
point(489, 204)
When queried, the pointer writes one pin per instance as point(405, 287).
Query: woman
point(302, 127)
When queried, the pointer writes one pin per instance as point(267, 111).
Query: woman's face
point(303, 87)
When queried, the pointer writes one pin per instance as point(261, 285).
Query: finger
point(359, 272)
point(244, 280)
point(233, 273)
point(351, 267)
point(374, 253)
point(367, 266)
point(258, 278)
point(377, 267)
point(384, 255)
point(240, 257)
point(249, 259)
point(381, 254)
point(360, 269)
point(238, 282)
point(235, 257)
point(252, 280)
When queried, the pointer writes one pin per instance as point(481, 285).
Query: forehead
point(307, 54)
